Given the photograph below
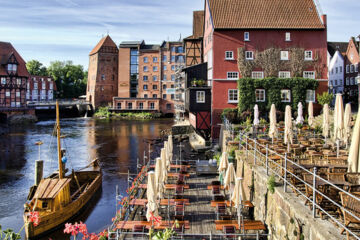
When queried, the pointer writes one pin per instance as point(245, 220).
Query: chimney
point(324, 20)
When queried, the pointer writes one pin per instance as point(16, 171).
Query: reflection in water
point(116, 143)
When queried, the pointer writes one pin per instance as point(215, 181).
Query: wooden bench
point(174, 175)
point(248, 224)
point(128, 225)
point(167, 186)
point(227, 202)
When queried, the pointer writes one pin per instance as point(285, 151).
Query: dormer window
point(11, 67)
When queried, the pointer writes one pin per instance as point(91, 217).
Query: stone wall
point(284, 213)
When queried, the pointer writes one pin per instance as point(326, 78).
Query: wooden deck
point(199, 211)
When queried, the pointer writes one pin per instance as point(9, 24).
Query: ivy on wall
point(270, 62)
point(273, 87)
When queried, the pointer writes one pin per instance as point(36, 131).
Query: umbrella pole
point(337, 148)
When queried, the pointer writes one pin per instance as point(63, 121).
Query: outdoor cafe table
point(168, 186)
point(248, 224)
point(228, 203)
point(128, 225)
point(163, 202)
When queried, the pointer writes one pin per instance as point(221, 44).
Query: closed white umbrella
point(151, 194)
point(326, 121)
point(300, 118)
point(311, 114)
point(159, 177)
point(353, 158)
point(288, 133)
point(163, 165)
point(256, 115)
point(273, 131)
point(224, 162)
point(338, 118)
point(170, 142)
point(238, 195)
point(347, 123)
point(167, 157)
point(229, 176)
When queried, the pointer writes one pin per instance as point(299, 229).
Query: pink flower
point(157, 220)
point(34, 218)
point(71, 229)
point(82, 228)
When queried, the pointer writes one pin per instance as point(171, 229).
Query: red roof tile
point(105, 41)
point(6, 51)
point(274, 14)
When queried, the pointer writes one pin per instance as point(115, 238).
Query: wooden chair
point(353, 206)
point(228, 231)
point(181, 179)
point(220, 210)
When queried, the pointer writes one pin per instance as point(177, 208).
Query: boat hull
point(52, 220)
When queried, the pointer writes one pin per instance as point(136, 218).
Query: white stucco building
point(336, 66)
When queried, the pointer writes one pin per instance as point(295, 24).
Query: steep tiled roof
point(274, 14)
point(105, 41)
point(6, 51)
point(334, 46)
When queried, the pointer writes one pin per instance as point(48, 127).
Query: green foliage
point(325, 98)
point(104, 112)
point(9, 234)
point(198, 83)
point(35, 67)
point(70, 79)
point(273, 87)
point(232, 151)
point(230, 114)
point(262, 121)
point(217, 157)
point(318, 129)
point(271, 184)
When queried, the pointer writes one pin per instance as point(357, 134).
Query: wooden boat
point(59, 198)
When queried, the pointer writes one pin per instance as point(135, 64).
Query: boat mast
point(58, 140)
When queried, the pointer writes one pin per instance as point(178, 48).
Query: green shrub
point(325, 98)
point(230, 114)
point(271, 184)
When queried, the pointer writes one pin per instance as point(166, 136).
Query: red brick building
point(352, 61)
point(248, 27)
point(103, 73)
point(13, 79)
point(40, 88)
point(147, 76)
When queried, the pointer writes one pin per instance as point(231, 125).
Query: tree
point(36, 68)
point(70, 79)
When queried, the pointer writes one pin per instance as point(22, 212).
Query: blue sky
point(49, 30)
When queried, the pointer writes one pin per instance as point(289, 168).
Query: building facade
point(103, 73)
point(352, 60)
point(13, 79)
point(40, 88)
point(147, 76)
point(235, 40)
point(336, 52)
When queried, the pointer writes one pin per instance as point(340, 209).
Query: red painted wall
point(231, 40)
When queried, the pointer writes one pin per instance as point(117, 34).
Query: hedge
point(273, 87)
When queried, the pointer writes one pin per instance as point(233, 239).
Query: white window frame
point(232, 75)
point(287, 37)
point(257, 94)
point(351, 68)
point(7, 93)
point(310, 95)
point(155, 69)
point(229, 55)
point(284, 74)
point(347, 81)
point(231, 93)
point(284, 55)
point(307, 57)
point(357, 67)
point(246, 36)
point(287, 92)
point(3, 80)
point(250, 57)
point(145, 69)
point(200, 96)
point(347, 68)
point(17, 94)
point(257, 75)
point(146, 59)
point(307, 73)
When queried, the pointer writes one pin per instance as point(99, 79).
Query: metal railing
point(280, 169)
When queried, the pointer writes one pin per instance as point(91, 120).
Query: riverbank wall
point(284, 213)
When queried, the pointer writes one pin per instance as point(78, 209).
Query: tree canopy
point(70, 79)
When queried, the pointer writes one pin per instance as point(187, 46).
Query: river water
point(117, 143)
